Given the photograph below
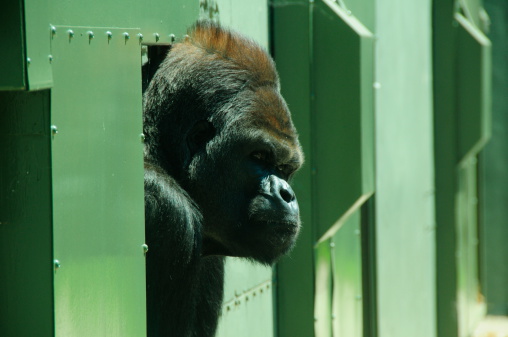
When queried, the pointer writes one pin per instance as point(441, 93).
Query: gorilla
point(220, 148)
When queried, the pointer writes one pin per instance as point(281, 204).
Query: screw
point(145, 248)
point(172, 38)
point(54, 129)
point(157, 37)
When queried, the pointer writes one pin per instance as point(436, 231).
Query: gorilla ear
point(199, 135)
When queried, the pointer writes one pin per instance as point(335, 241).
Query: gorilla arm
point(177, 275)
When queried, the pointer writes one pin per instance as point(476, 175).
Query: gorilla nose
point(286, 192)
point(282, 190)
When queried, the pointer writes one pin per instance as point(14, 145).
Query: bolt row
point(109, 34)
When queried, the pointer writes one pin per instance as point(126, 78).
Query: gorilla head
point(216, 123)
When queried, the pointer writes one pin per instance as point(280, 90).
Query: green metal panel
point(494, 189)
point(325, 54)
point(97, 200)
point(32, 20)
point(338, 304)
point(405, 222)
point(445, 140)
point(248, 307)
point(473, 124)
point(469, 299)
point(462, 114)
point(26, 263)
point(343, 105)
point(473, 88)
point(38, 36)
point(12, 57)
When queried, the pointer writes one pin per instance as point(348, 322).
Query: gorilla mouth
point(284, 227)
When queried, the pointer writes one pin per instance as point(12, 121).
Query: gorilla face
point(239, 179)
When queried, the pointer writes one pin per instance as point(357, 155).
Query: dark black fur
point(220, 146)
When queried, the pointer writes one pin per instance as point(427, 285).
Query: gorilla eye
point(286, 170)
point(261, 156)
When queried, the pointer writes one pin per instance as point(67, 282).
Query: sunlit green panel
point(469, 299)
point(361, 9)
point(97, 183)
point(347, 279)
point(324, 290)
point(342, 115)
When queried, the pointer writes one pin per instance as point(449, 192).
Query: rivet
point(54, 130)
point(157, 37)
point(358, 297)
point(333, 316)
point(28, 61)
point(377, 85)
point(142, 136)
point(126, 36)
point(140, 37)
point(71, 33)
point(56, 264)
point(357, 232)
point(109, 34)
point(172, 38)
point(145, 248)
point(50, 57)
point(53, 30)
point(332, 244)
point(349, 13)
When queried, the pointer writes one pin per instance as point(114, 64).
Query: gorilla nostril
point(287, 194)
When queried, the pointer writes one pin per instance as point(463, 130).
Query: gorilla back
point(220, 148)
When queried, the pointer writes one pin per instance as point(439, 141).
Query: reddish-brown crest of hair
point(241, 51)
